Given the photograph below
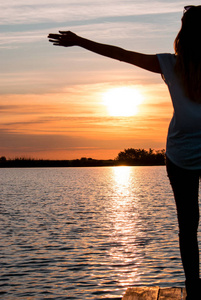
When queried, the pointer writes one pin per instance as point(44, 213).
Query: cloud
point(25, 12)
point(107, 28)
point(53, 145)
point(39, 142)
point(49, 95)
point(18, 142)
point(21, 37)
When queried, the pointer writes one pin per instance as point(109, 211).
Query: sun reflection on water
point(87, 233)
point(122, 176)
point(126, 226)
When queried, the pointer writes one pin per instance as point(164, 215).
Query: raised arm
point(145, 61)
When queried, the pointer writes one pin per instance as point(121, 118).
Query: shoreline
point(128, 157)
point(29, 163)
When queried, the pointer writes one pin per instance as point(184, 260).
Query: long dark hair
point(187, 47)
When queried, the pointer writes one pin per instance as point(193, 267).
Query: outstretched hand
point(64, 38)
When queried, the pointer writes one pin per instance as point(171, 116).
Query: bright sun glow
point(122, 101)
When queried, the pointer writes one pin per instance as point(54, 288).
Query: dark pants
point(185, 185)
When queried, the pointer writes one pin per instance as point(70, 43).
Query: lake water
point(86, 233)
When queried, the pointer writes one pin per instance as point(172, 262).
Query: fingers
point(64, 32)
point(53, 41)
point(57, 44)
point(64, 38)
point(54, 36)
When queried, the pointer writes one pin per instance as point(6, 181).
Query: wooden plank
point(183, 294)
point(154, 293)
point(141, 293)
point(172, 293)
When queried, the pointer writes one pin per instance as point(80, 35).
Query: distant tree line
point(129, 157)
point(139, 157)
point(46, 163)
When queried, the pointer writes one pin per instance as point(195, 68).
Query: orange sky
point(51, 98)
point(75, 123)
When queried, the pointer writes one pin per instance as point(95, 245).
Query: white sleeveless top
point(183, 146)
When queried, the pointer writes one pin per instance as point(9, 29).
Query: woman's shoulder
point(167, 63)
point(167, 57)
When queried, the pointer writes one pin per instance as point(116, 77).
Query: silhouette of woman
point(181, 72)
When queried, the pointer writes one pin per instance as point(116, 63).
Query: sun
point(122, 101)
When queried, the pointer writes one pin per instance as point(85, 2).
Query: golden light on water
point(122, 176)
point(126, 227)
point(122, 101)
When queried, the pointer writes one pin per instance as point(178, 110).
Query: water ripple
point(86, 233)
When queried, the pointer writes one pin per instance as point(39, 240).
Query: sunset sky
point(55, 101)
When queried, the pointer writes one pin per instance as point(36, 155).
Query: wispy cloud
point(17, 38)
point(25, 12)
point(31, 144)
point(105, 31)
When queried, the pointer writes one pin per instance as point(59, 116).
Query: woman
point(182, 73)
